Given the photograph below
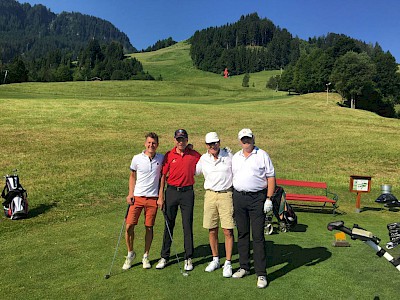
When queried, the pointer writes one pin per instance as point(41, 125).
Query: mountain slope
point(33, 31)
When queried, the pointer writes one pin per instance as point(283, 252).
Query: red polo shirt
point(180, 168)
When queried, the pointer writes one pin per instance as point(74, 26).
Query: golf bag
point(394, 235)
point(16, 198)
point(282, 210)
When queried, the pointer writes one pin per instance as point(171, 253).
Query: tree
point(302, 75)
point(114, 51)
point(387, 79)
point(160, 44)
point(246, 79)
point(352, 73)
point(273, 82)
point(286, 82)
point(63, 73)
point(17, 71)
point(118, 75)
point(249, 45)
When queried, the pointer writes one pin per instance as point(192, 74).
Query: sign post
point(359, 185)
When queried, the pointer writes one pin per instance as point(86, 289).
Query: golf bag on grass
point(16, 198)
point(282, 210)
point(394, 235)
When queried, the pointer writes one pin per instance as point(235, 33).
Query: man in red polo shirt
point(179, 168)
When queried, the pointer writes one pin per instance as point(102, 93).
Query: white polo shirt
point(250, 173)
point(148, 173)
point(217, 173)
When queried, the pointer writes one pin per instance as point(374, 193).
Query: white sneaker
point(240, 273)
point(262, 282)
point(146, 262)
point(161, 263)
point(128, 262)
point(212, 266)
point(227, 270)
point(188, 264)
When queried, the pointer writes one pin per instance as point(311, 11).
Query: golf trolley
point(270, 225)
point(358, 233)
point(283, 212)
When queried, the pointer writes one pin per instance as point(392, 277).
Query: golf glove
point(267, 205)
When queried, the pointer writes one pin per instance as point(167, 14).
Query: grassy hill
point(72, 144)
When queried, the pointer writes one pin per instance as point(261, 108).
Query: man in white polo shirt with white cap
point(254, 185)
point(216, 166)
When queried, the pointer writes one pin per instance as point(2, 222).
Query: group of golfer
point(238, 190)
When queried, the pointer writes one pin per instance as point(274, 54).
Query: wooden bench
point(333, 199)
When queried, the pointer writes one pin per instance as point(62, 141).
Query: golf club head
point(106, 276)
point(185, 274)
point(335, 225)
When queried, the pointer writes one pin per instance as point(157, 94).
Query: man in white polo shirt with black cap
point(254, 185)
point(216, 166)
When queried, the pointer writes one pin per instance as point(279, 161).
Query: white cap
point(212, 137)
point(245, 132)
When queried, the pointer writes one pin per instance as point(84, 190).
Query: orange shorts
point(149, 204)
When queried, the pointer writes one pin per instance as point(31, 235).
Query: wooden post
point(358, 202)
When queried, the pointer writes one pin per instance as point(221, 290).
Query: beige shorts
point(218, 207)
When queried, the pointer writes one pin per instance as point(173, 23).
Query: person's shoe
point(212, 266)
point(146, 262)
point(161, 263)
point(188, 264)
point(240, 273)
point(227, 270)
point(128, 262)
point(262, 282)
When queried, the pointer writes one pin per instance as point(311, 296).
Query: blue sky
point(146, 21)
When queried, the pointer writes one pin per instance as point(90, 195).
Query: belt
point(251, 193)
point(181, 188)
point(223, 191)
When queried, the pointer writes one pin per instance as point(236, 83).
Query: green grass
point(72, 144)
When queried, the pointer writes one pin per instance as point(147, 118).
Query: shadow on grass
point(371, 208)
point(393, 209)
point(41, 209)
point(292, 257)
point(316, 209)
point(202, 255)
point(299, 228)
point(390, 209)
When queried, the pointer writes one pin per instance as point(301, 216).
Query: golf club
point(172, 240)
point(358, 233)
point(119, 239)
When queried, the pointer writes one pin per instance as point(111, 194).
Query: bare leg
point(129, 236)
point(148, 240)
point(228, 243)
point(213, 237)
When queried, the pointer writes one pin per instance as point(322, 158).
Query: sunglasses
point(180, 139)
point(246, 140)
point(212, 144)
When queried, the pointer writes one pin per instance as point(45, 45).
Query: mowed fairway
point(72, 144)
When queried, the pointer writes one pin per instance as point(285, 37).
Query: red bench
point(333, 199)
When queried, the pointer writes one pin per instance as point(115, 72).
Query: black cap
point(181, 133)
